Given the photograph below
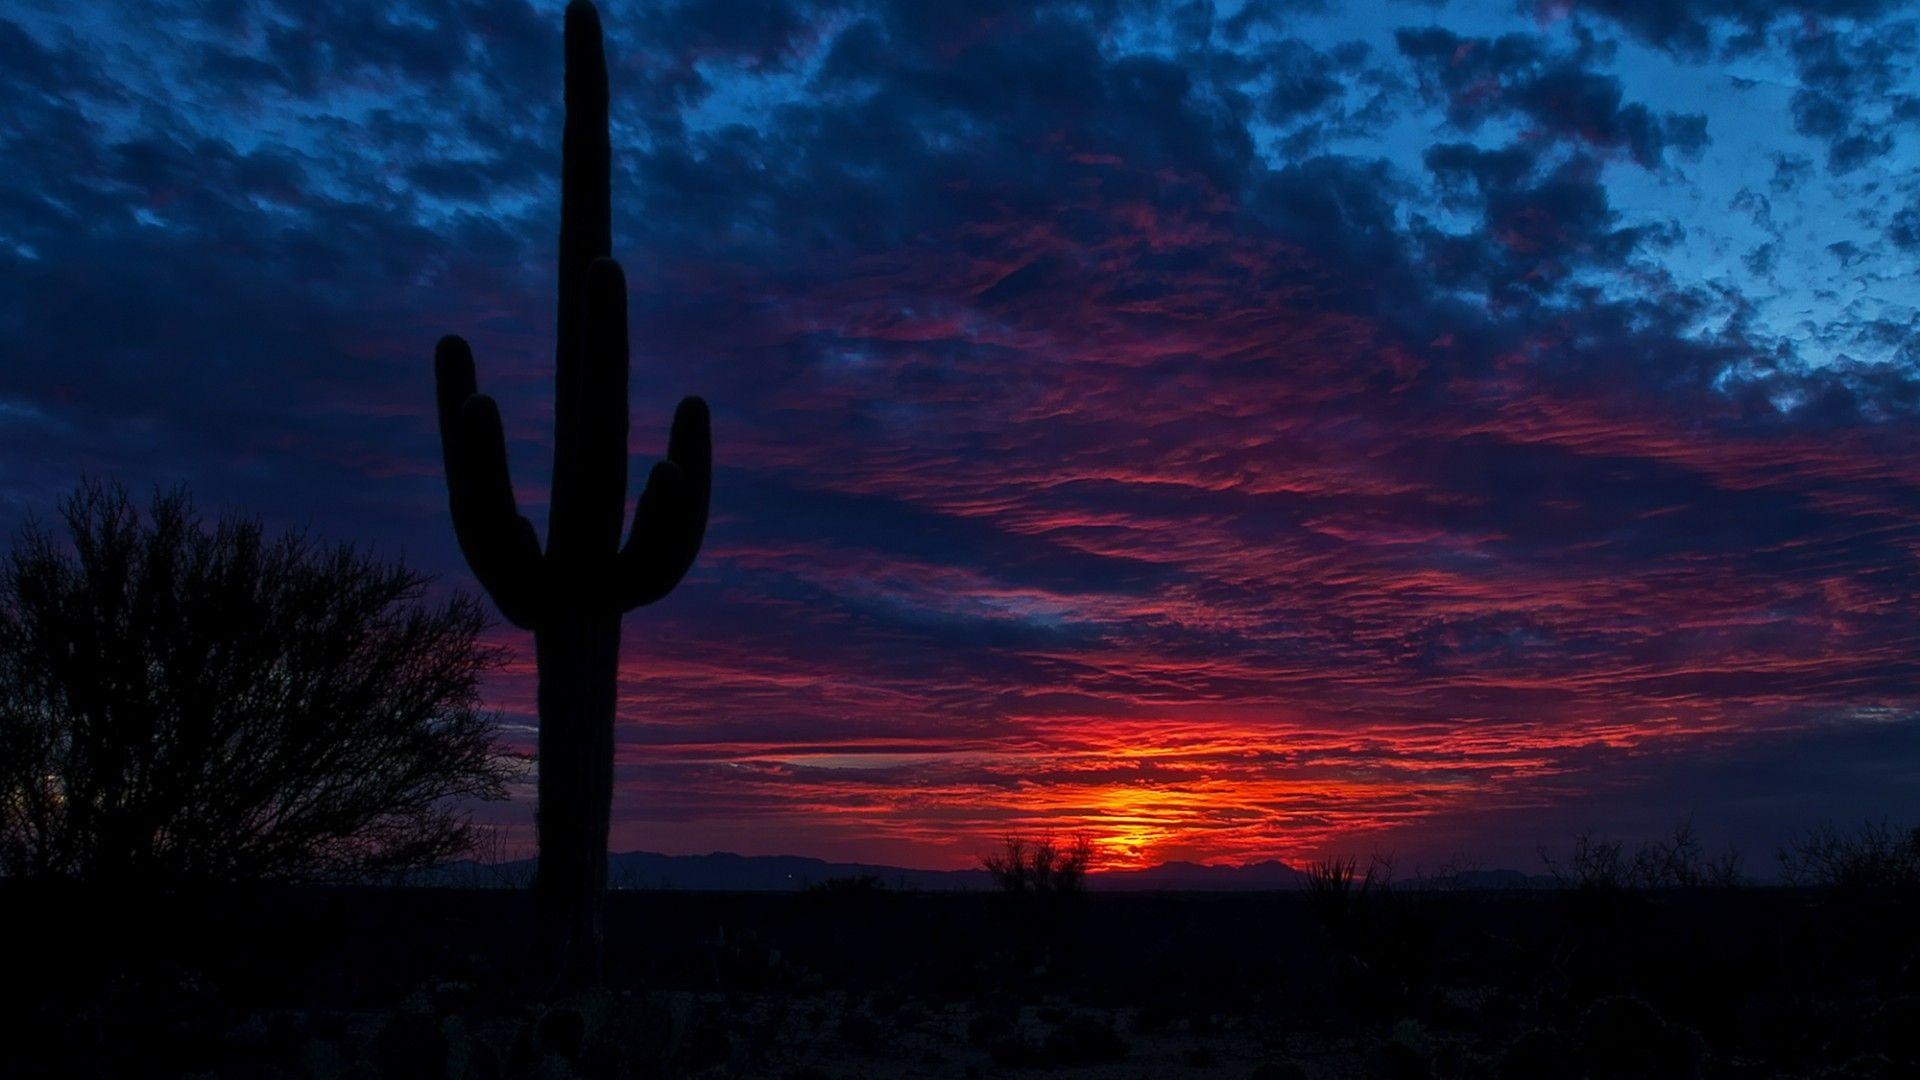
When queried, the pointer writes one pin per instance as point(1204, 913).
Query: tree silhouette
point(184, 703)
point(573, 594)
point(1042, 867)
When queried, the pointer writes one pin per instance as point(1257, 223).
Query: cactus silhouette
point(573, 594)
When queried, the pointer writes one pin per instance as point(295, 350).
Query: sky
point(1229, 430)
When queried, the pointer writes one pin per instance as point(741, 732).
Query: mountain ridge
point(733, 872)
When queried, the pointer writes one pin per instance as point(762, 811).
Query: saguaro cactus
point(573, 594)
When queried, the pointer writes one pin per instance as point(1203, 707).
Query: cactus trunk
point(573, 594)
point(579, 662)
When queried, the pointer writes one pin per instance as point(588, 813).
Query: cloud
point(1693, 27)
point(1480, 79)
point(1852, 90)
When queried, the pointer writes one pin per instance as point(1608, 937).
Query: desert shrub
point(1338, 891)
point(1342, 877)
point(1594, 863)
point(1338, 881)
point(1677, 861)
point(1456, 873)
point(185, 702)
point(850, 885)
point(1876, 855)
point(1040, 867)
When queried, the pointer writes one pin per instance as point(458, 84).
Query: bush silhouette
point(1337, 890)
point(182, 702)
point(1678, 861)
point(1876, 855)
point(1041, 867)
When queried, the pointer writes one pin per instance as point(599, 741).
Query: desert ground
point(864, 982)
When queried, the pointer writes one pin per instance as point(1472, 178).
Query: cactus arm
point(510, 567)
point(690, 446)
point(586, 234)
point(648, 568)
point(453, 383)
point(671, 518)
point(499, 544)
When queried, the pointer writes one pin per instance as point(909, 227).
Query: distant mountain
point(1488, 880)
point(1198, 877)
point(725, 871)
point(770, 873)
point(718, 871)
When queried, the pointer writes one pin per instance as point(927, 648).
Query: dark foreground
point(417, 983)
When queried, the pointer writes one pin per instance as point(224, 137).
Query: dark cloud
point(1304, 81)
point(1851, 93)
point(1904, 228)
point(1268, 15)
point(1849, 58)
point(1480, 79)
point(1790, 171)
point(1692, 27)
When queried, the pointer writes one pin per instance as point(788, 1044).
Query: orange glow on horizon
point(1143, 790)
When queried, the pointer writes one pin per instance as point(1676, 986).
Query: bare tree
point(1876, 855)
point(1675, 862)
point(184, 702)
point(1040, 866)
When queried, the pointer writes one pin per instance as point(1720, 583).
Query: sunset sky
point(1233, 431)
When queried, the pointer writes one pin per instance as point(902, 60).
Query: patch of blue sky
point(737, 96)
point(19, 249)
point(916, 599)
point(1780, 275)
point(1774, 248)
point(161, 92)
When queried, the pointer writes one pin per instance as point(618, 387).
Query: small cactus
point(573, 594)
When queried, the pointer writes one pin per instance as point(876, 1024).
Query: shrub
point(1336, 890)
point(1595, 863)
point(1876, 855)
point(1040, 867)
point(850, 885)
point(181, 702)
point(1338, 878)
point(1676, 862)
